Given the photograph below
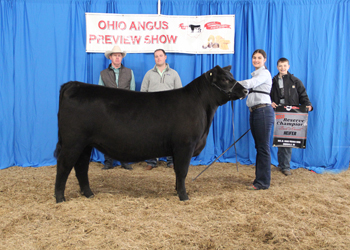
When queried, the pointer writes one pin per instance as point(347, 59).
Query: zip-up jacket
point(153, 82)
point(294, 91)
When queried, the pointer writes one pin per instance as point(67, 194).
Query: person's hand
point(274, 105)
point(309, 108)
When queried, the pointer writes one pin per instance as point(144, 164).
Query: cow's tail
point(59, 143)
point(58, 149)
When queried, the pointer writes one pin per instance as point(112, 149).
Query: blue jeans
point(153, 162)
point(261, 121)
point(284, 156)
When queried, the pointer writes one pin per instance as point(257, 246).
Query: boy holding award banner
point(288, 91)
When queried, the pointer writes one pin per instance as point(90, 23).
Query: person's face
point(159, 58)
point(258, 60)
point(283, 68)
point(116, 59)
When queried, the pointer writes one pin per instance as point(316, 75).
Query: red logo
point(216, 25)
point(182, 26)
point(279, 117)
point(291, 107)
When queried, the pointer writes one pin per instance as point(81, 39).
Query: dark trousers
point(284, 156)
point(109, 162)
point(261, 121)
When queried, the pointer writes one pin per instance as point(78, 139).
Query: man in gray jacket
point(160, 78)
point(116, 76)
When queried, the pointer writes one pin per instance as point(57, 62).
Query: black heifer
point(135, 126)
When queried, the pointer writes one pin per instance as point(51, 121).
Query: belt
point(258, 106)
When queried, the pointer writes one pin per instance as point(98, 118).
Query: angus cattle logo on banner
point(290, 128)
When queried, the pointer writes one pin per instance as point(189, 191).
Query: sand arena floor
point(139, 209)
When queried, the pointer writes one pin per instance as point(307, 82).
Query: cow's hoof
point(183, 197)
point(88, 194)
point(59, 200)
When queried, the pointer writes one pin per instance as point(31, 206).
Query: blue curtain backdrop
point(42, 44)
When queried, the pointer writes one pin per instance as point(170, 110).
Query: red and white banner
point(175, 34)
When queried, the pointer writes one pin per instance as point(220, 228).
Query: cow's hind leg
point(182, 161)
point(81, 172)
point(65, 163)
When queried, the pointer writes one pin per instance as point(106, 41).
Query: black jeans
point(284, 156)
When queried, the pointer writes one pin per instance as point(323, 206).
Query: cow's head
point(222, 79)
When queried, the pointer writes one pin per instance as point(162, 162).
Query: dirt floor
point(139, 209)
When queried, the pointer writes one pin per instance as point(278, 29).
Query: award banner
point(212, 34)
point(290, 127)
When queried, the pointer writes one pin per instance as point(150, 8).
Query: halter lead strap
point(258, 91)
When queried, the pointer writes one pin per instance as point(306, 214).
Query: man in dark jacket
point(287, 90)
point(116, 76)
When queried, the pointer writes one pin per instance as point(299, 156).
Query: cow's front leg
point(182, 161)
point(181, 188)
point(81, 172)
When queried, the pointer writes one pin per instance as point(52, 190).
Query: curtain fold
point(7, 90)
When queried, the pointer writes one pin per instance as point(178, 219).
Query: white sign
point(146, 33)
point(290, 127)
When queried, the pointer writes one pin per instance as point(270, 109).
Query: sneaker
point(127, 166)
point(252, 187)
point(170, 166)
point(107, 167)
point(286, 172)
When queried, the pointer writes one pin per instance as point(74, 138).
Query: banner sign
point(290, 126)
point(146, 33)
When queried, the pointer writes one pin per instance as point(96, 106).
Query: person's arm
point(145, 83)
point(100, 82)
point(303, 97)
point(132, 82)
point(178, 83)
point(273, 93)
point(255, 80)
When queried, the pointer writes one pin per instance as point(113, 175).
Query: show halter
point(227, 92)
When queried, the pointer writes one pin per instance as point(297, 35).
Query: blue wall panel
point(42, 46)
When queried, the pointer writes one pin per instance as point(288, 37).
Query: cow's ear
point(227, 68)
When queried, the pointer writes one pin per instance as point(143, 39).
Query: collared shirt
point(116, 72)
point(262, 81)
point(161, 73)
